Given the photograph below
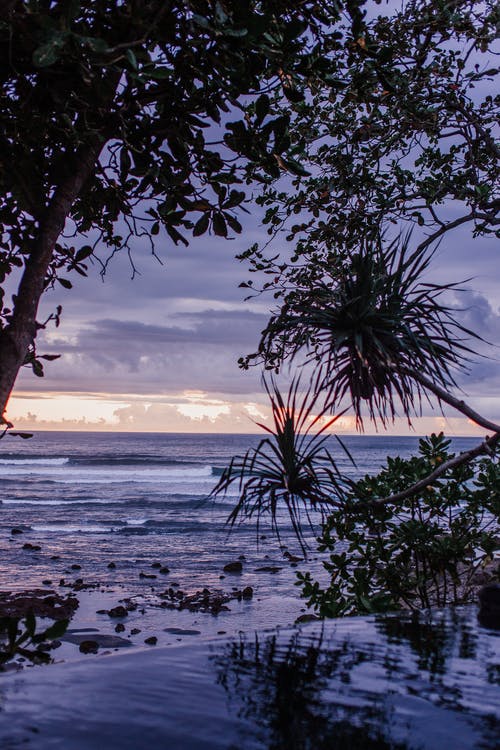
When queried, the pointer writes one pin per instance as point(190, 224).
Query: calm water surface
point(430, 681)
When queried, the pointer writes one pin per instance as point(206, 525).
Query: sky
point(159, 352)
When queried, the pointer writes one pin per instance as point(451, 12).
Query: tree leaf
point(83, 252)
point(219, 225)
point(262, 106)
point(47, 54)
point(175, 235)
point(201, 225)
point(295, 168)
point(56, 630)
point(234, 223)
point(129, 54)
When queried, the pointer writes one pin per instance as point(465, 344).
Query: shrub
point(426, 551)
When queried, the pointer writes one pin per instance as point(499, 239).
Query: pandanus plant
point(382, 336)
point(291, 467)
point(380, 333)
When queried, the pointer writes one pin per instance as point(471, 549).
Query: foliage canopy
point(120, 119)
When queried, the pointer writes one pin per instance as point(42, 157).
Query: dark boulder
point(118, 611)
point(233, 567)
point(489, 606)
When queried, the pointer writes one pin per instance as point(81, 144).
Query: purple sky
point(160, 352)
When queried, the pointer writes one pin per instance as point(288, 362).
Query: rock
point(47, 582)
point(102, 639)
point(306, 618)
point(151, 641)
point(16, 531)
point(157, 565)
point(182, 631)
point(147, 575)
point(489, 597)
point(75, 566)
point(118, 611)
point(120, 628)
point(233, 567)
point(32, 547)
point(41, 602)
point(79, 585)
point(292, 558)
point(135, 631)
point(247, 592)
point(268, 569)
point(164, 570)
point(89, 647)
point(489, 600)
point(55, 557)
point(242, 557)
point(111, 565)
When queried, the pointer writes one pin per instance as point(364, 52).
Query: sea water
point(117, 503)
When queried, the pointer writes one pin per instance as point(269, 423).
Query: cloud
point(183, 326)
point(198, 351)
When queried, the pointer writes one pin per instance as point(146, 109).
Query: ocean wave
point(72, 528)
point(41, 461)
point(169, 501)
point(72, 474)
point(135, 460)
point(62, 501)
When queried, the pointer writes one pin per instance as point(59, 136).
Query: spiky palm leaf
point(292, 468)
point(371, 325)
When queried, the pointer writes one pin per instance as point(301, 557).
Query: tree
point(403, 133)
point(405, 127)
point(110, 112)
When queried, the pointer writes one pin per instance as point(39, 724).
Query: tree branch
point(451, 225)
point(462, 458)
point(456, 403)
point(459, 460)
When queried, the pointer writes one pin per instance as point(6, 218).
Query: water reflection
point(412, 681)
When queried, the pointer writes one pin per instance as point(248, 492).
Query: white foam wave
point(35, 462)
point(57, 502)
point(136, 521)
point(73, 529)
point(69, 474)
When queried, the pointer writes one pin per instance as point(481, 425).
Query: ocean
point(108, 508)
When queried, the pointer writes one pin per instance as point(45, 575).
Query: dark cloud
point(200, 352)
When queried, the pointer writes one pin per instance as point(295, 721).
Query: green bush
point(425, 551)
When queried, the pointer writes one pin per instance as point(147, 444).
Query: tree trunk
point(17, 337)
